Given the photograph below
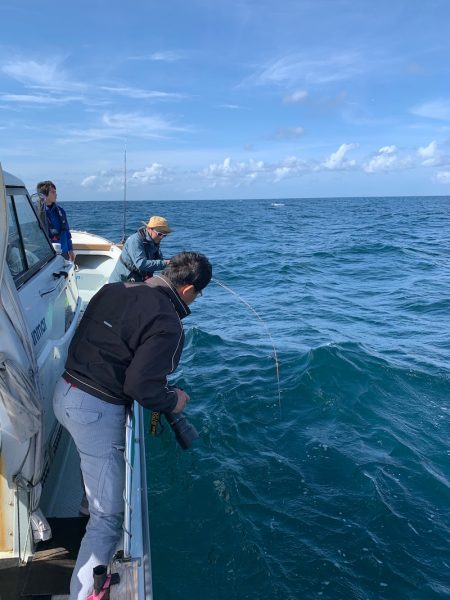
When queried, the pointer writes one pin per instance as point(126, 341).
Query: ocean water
point(339, 488)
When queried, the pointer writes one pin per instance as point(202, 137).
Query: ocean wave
point(373, 248)
point(339, 488)
point(441, 306)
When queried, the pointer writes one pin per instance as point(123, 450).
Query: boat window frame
point(11, 192)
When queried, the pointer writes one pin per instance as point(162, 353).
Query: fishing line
point(275, 356)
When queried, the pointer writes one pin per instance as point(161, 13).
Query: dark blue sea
point(339, 487)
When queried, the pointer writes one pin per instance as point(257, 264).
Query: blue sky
point(227, 98)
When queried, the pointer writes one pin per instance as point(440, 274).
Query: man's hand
point(183, 399)
point(71, 255)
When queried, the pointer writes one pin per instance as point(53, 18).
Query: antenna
point(124, 232)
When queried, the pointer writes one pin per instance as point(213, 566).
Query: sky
point(223, 99)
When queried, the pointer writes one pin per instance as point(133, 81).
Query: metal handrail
point(127, 491)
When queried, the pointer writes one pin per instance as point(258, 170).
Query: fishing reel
point(185, 432)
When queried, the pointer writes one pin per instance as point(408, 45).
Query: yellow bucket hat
point(159, 223)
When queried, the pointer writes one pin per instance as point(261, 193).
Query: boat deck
point(48, 573)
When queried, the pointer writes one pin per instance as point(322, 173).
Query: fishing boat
point(42, 296)
point(95, 260)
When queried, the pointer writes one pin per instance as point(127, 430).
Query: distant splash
point(277, 204)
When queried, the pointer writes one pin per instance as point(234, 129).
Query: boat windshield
point(28, 245)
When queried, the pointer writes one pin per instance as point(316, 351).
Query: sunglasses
point(160, 233)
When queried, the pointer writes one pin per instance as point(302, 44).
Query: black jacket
point(129, 339)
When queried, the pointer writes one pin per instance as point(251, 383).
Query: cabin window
point(28, 245)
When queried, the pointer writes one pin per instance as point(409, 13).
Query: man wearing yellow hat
point(141, 255)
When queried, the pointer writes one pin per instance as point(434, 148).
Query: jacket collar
point(160, 282)
point(148, 237)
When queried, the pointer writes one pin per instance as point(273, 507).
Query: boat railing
point(128, 482)
point(133, 563)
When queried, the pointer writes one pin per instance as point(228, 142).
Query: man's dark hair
point(189, 268)
point(44, 187)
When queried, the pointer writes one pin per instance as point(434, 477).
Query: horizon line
point(263, 199)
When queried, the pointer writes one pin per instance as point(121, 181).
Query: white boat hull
point(95, 260)
point(42, 297)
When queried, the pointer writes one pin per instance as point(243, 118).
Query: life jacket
point(54, 234)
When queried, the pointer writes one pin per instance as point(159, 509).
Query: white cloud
point(442, 177)
point(380, 162)
point(137, 123)
point(51, 76)
point(38, 99)
point(230, 106)
point(315, 71)
point(431, 155)
point(136, 93)
point(283, 173)
point(291, 167)
point(91, 134)
point(104, 181)
point(155, 173)
point(289, 133)
point(233, 173)
point(388, 150)
point(387, 159)
point(31, 72)
point(337, 160)
point(167, 56)
point(295, 97)
point(162, 56)
point(89, 181)
point(429, 151)
point(435, 109)
point(48, 75)
point(123, 126)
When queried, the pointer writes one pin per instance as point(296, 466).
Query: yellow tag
point(154, 423)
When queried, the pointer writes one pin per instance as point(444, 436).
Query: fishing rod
point(124, 232)
point(249, 306)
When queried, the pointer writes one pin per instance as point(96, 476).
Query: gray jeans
point(98, 430)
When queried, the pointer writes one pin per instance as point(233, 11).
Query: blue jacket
point(140, 257)
point(58, 226)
